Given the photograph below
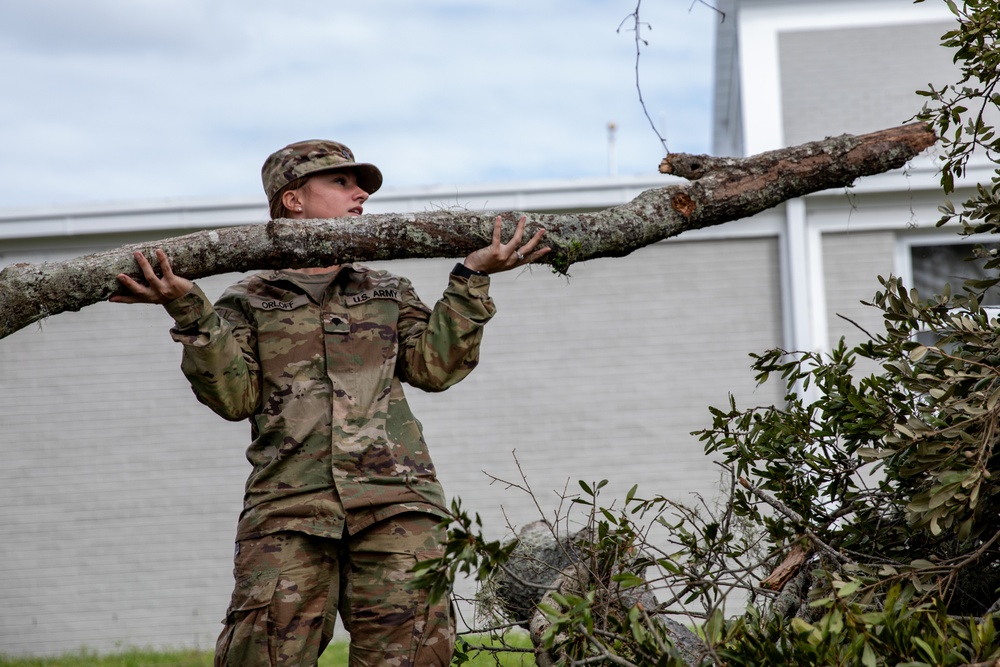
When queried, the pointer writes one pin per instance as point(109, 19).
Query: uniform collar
point(283, 275)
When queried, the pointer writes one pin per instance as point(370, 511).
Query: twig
point(791, 514)
point(637, 24)
point(856, 326)
point(977, 554)
point(532, 584)
point(505, 648)
point(492, 628)
point(606, 654)
point(656, 635)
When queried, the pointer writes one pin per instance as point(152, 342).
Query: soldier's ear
point(292, 202)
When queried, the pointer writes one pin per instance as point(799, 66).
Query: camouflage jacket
point(333, 439)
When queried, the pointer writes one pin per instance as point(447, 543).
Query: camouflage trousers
point(290, 587)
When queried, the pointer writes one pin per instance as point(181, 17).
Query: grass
point(335, 656)
point(129, 658)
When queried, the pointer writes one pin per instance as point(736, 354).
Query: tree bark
point(719, 190)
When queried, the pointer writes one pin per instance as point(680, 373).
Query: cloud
point(139, 99)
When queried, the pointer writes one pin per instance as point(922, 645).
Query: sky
point(138, 100)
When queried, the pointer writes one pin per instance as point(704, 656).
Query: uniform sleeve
point(219, 359)
point(439, 347)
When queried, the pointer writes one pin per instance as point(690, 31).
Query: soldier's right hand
point(159, 289)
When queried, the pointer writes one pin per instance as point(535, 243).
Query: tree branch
point(791, 514)
point(720, 190)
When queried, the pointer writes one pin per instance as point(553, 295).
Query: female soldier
point(343, 498)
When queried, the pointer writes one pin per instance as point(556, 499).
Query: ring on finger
point(519, 255)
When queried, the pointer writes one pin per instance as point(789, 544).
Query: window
point(933, 266)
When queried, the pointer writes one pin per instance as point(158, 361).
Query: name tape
point(373, 294)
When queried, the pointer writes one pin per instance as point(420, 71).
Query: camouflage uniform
point(339, 461)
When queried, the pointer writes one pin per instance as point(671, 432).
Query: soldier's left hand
point(498, 256)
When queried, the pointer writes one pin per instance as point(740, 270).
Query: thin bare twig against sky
point(637, 25)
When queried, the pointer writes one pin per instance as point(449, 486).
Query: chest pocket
point(286, 331)
point(374, 315)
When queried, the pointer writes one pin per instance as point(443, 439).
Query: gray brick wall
point(852, 263)
point(857, 80)
point(119, 493)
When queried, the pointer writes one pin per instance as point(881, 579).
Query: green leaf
point(848, 588)
point(834, 622)
point(713, 629)
point(872, 618)
point(873, 453)
point(994, 398)
point(868, 658)
point(628, 580)
point(925, 647)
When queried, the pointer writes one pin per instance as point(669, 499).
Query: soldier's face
point(332, 194)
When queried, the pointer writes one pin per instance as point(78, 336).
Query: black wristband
point(465, 272)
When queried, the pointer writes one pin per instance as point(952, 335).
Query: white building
point(119, 493)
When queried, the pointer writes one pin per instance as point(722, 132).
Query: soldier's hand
point(498, 256)
point(159, 289)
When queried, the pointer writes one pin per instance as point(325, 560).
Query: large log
point(544, 563)
point(719, 190)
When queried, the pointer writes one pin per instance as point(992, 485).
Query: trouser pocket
point(245, 640)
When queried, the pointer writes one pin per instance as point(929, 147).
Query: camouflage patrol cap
point(307, 157)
